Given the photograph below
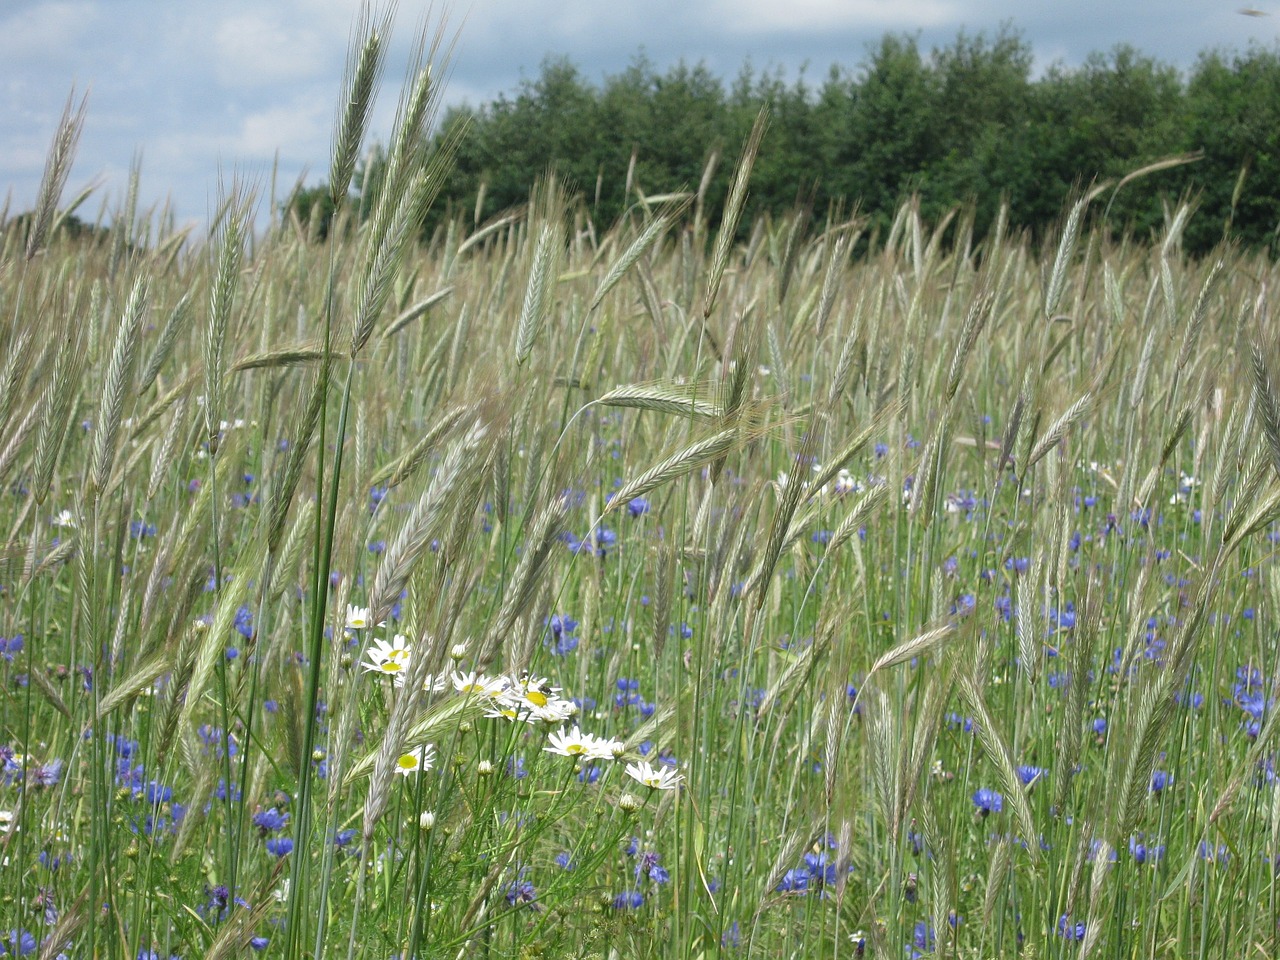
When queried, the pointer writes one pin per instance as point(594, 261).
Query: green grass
point(845, 539)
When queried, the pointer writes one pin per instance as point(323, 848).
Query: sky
point(202, 91)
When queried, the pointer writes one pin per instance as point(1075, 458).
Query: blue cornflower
point(793, 881)
point(280, 846)
point(521, 891)
point(271, 820)
point(1159, 780)
point(1069, 930)
point(987, 801)
point(1142, 852)
point(628, 900)
point(638, 507)
point(1029, 774)
point(605, 541)
point(20, 943)
point(47, 774)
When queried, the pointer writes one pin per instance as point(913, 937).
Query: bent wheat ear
point(997, 750)
point(407, 317)
point(1066, 250)
point(57, 168)
point(1265, 397)
point(56, 411)
point(230, 246)
point(639, 246)
point(173, 326)
point(359, 86)
point(1055, 433)
point(727, 235)
point(537, 296)
point(679, 464)
point(681, 400)
point(119, 373)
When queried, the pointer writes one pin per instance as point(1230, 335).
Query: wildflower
point(479, 685)
point(47, 774)
point(628, 803)
point(20, 943)
point(426, 821)
point(575, 743)
point(845, 484)
point(1069, 930)
point(416, 761)
point(660, 778)
point(358, 618)
point(270, 821)
point(988, 801)
point(1159, 780)
point(1029, 774)
point(638, 507)
point(533, 699)
point(280, 846)
point(65, 518)
point(1142, 852)
point(628, 900)
point(522, 892)
point(388, 658)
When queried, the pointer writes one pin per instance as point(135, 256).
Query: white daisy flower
point(606, 748)
point(65, 518)
point(575, 743)
point(845, 484)
point(358, 618)
point(388, 658)
point(418, 760)
point(656, 778)
point(477, 684)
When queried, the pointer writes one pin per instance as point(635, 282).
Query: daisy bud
point(484, 768)
point(458, 651)
point(628, 803)
point(427, 820)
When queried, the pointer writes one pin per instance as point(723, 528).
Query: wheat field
point(679, 587)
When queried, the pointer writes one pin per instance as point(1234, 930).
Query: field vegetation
point(554, 588)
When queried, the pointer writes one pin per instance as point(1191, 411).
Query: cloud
point(298, 130)
point(252, 49)
point(802, 16)
point(47, 33)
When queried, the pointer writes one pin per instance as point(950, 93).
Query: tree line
point(964, 124)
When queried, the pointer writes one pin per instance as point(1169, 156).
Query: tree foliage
point(963, 124)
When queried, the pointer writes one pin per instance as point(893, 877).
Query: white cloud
point(798, 16)
point(299, 130)
point(41, 32)
point(251, 49)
